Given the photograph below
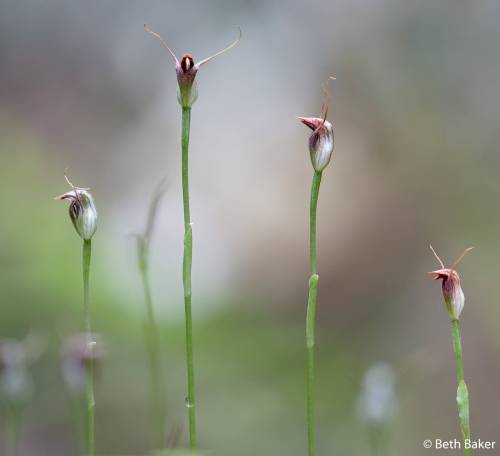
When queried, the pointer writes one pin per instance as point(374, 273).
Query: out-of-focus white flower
point(16, 382)
point(378, 402)
point(77, 353)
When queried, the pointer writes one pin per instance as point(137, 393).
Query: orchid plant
point(186, 70)
point(454, 299)
point(321, 143)
point(83, 214)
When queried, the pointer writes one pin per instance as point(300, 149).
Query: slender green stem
point(86, 254)
point(186, 275)
point(156, 372)
point(457, 348)
point(186, 127)
point(311, 311)
point(312, 221)
point(462, 392)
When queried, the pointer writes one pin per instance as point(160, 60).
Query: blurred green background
point(415, 108)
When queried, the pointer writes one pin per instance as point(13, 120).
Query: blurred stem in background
point(311, 311)
point(77, 408)
point(14, 429)
point(378, 440)
point(86, 255)
point(186, 274)
point(151, 333)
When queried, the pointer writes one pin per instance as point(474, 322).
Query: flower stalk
point(454, 300)
point(311, 310)
point(186, 276)
point(86, 257)
point(462, 391)
point(186, 70)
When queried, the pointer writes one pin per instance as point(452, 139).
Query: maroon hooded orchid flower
point(321, 141)
point(452, 291)
point(187, 69)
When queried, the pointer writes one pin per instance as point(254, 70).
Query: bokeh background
point(84, 90)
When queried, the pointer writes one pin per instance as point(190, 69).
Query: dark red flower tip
point(187, 62)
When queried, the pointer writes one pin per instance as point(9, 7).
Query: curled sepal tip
point(82, 210)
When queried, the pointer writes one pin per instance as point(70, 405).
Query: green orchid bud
point(82, 211)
